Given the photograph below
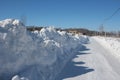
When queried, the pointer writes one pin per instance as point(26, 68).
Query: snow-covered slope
point(34, 55)
point(112, 44)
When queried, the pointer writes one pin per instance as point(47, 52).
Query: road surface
point(93, 63)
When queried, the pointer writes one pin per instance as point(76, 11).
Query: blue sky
point(63, 13)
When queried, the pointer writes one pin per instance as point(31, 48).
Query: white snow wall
point(38, 55)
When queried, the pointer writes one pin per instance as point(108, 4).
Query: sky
point(88, 14)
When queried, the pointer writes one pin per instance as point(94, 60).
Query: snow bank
point(34, 55)
point(112, 44)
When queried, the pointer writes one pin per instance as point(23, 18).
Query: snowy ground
point(93, 63)
point(111, 44)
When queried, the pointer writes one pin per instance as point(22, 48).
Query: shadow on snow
point(73, 69)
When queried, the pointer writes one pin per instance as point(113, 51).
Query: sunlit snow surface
point(38, 55)
point(110, 43)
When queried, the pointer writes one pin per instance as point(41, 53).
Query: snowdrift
point(112, 44)
point(38, 55)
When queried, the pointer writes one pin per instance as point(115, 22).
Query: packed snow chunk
point(34, 55)
point(49, 33)
point(83, 38)
point(18, 78)
point(48, 52)
point(10, 22)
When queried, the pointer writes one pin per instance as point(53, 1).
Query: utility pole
point(101, 29)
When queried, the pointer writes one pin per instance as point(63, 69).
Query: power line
point(111, 16)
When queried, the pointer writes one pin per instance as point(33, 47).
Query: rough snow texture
point(34, 55)
point(18, 78)
point(96, 63)
point(112, 44)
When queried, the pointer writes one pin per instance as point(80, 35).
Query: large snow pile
point(112, 44)
point(38, 55)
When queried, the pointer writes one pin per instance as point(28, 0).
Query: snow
point(110, 43)
point(10, 22)
point(94, 62)
point(16, 77)
point(54, 55)
point(34, 55)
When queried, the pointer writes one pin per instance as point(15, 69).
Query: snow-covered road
point(93, 63)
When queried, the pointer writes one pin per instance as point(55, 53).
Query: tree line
point(101, 31)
